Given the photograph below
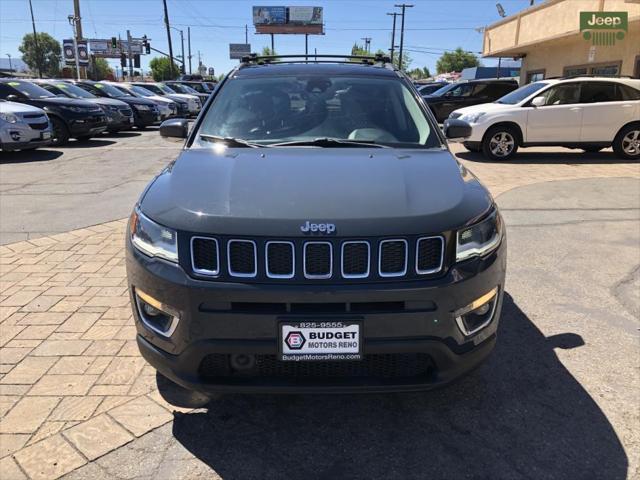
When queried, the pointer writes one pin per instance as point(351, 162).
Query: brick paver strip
point(70, 371)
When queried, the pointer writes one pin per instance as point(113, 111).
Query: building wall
point(545, 21)
point(553, 56)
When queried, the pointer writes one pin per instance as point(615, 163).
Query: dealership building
point(549, 40)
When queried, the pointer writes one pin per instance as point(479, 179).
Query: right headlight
point(479, 239)
point(471, 117)
point(9, 117)
point(153, 239)
point(142, 107)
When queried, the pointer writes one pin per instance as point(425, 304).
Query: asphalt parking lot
point(557, 399)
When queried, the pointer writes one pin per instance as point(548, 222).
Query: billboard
point(269, 15)
point(288, 20)
point(102, 48)
point(239, 50)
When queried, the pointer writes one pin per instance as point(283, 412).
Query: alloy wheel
point(631, 143)
point(501, 144)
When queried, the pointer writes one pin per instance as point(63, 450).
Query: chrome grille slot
point(242, 258)
point(429, 255)
point(356, 259)
point(205, 256)
point(317, 260)
point(280, 259)
point(392, 259)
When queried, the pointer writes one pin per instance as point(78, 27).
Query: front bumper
point(87, 125)
point(19, 136)
point(146, 118)
point(209, 325)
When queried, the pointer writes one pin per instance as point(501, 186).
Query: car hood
point(160, 100)
point(484, 107)
point(60, 101)
point(14, 107)
point(131, 100)
point(272, 192)
point(108, 101)
point(184, 96)
point(176, 97)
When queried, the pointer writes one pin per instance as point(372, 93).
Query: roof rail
point(255, 59)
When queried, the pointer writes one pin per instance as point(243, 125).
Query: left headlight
point(479, 239)
point(9, 117)
point(153, 239)
point(471, 117)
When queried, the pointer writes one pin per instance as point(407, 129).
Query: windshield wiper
point(328, 142)
point(230, 141)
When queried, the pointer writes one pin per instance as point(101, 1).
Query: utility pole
point(184, 70)
point(306, 47)
point(403, 6)
point(273, 48)
point(199, 64)
point(367, 44)
point(76, 13)
point(246, 34)
point(130, 55)
point(10, 65)
point(35, 41)
point(73, 23)
point(189, 42)
point(393, 34)
point(166, 23)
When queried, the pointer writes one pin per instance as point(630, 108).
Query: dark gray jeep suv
point(315, 234)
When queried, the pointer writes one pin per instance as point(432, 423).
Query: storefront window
point(535, 76)
point(606, 71)
point(602, 70)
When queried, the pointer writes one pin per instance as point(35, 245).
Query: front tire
point(500, 143)
point(60, 132)
point(626, 145)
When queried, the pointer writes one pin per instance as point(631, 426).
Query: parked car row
point(40, 112)
point(589, 113)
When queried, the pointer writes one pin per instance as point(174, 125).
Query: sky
point(431, 26)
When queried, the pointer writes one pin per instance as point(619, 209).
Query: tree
point(48, 54)
point(456, 61)
point(161, 69)
point(101, 69)
point(419, 73)
point(266, 52)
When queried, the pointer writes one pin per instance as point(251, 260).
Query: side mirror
point(174, 129)
point(538, 102)
point(456, 130)
point(12, 98)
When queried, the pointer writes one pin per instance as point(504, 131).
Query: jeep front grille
point(242, 258)
point(317, 260)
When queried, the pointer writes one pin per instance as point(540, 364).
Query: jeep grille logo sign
point(604, 28)
point(321, 228)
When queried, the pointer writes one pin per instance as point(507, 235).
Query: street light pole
point(166, 23)
point(189, 42)
point(10, 65)
point(403, 6)
point(73, 22)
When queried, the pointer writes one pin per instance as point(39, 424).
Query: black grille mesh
point(205, 254)
point(318, 259)
point(393, 256)
point(390, 365)
point(355, 258)
point(242, 258)
point(280, 259)
point(429, 254)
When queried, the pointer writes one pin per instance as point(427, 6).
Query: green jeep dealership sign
point(603, 28)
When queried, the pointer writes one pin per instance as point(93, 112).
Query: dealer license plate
point(45, 135)
point(320, 340)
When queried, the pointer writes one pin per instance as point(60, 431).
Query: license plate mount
point(320, 340)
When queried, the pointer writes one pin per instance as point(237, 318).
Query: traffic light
point(182, 69)
point(123, 60)
point(114, 43)
point(147, 48)
point(146, 45)
point(136, 61)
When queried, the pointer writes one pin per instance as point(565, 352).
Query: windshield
point(30, 90)
point(111, 90)
point(70, 90)
point(165, 89)
point(443, 90)
point(521, 93)
point(152, 88)
point(177, 87)
point(187, 89)
point(303, 108)
point(198, 87)
point(142, 91)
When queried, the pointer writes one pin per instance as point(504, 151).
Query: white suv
point(590, 113)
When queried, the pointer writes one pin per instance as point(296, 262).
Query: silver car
point(23, 127)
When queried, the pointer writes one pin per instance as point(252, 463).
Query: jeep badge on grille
point(322, 228)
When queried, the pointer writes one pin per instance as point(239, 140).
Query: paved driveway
point(558, 399)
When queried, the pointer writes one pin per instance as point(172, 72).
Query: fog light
point(155, 315)
point(478, 314)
